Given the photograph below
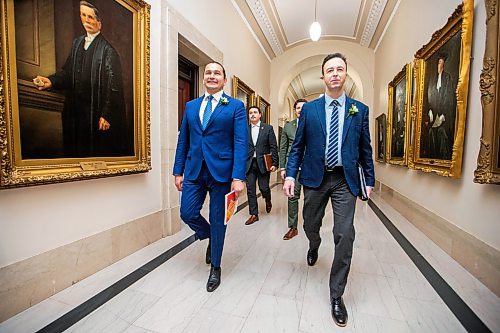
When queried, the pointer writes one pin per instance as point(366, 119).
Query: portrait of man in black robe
point(94, 121)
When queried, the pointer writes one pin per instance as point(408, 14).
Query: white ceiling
point(280, 25)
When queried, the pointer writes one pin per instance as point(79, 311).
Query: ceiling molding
point(376, 11)
point(258, 11)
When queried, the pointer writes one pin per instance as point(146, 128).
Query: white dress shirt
point(341, 111)
point(215, 101)
point(255, 135)
point(89, 39)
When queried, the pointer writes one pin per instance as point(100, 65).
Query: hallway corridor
point(268, 287)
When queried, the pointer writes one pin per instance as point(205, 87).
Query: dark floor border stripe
point(469, 320)
point(81, 311)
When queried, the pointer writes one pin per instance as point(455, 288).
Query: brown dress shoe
point(269, 205)
point(291, 233)
point(252, 219)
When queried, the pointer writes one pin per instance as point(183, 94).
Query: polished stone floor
point(268, 287)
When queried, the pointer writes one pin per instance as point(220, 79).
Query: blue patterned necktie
point(208, 111)
point(332, 156)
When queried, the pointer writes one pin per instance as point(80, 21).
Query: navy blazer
point(223, 144)
point(266, 144)
point(309, 146)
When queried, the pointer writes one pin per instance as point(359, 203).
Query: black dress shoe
point(269, 205)
point(213, 279)
point(339, 312)
point(312, 257)
point(208, 256)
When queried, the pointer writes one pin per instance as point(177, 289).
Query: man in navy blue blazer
point(332, 137)
point(211, 157)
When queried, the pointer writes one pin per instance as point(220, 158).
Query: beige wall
point(219, 21)
point(472, 207)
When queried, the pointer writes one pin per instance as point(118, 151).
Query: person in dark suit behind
point(210, 157)
point(287, 137)
point(332, 137)
point(93, 118)
point(261, 141)
point(441, 113)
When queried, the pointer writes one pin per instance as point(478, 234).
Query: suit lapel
point(320, 111)
point(347, 119)
point(218, 109)
point(250, 139)
point(261, 128)
point(197, 106)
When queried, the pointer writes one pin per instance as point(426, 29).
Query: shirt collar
point(341, 99)
point(217, 96)
point(91, 37)
point(256, 125)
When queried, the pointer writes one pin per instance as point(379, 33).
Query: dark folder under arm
point(363, 195)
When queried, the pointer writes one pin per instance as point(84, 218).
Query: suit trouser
point(293, 205)
point(335, 188)
point(254, 175)
point(194, 193)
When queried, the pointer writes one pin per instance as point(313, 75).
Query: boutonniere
point(224, 101)
point(352, 110)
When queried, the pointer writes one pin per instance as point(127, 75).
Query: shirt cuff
point(290, 178)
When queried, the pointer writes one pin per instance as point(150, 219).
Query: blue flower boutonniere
point(352, 110)
point(224, 101)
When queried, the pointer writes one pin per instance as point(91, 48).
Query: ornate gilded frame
point(381, 137)
point(488, 160)
point(16, 171)
point(402, 79)
point(265, 108)
point(243, 92)
point(459, 24)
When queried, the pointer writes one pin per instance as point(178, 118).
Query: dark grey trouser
point(335, 188)
point(293, 204)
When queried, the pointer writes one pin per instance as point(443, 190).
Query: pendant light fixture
point(315, 29)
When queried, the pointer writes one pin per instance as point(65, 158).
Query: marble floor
point(268, 287)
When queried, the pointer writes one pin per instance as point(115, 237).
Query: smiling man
point(332, 137)
point(210, 158)
point(93, 119)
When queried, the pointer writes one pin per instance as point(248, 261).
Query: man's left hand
point(237, 186)
point(103, 124)
point(369, 190)
point(273, 168)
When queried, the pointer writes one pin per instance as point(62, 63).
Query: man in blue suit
point(332, 137)
point(210, 157)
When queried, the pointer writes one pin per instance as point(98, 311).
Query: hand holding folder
point(268, 160)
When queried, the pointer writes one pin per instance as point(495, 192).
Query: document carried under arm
point(363, 195)
point(268, 160)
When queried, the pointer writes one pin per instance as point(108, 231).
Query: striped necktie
point(208, 111)
point(332, 156)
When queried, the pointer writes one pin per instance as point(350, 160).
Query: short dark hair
point(218, 63)
point(300, 100)
point(253, 107)
point(91, 6)
point(331, 56)
point(443, 56)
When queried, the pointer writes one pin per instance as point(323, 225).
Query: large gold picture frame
point(265, 109)
point(441, 100)
point(488, 160)
point(243, 92)
point(381, 138)
point(36, 39)
point(399, 115)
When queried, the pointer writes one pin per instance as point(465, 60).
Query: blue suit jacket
point(308, 149)
point(223, 144)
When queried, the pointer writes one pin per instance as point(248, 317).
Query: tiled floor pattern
point(268, 287)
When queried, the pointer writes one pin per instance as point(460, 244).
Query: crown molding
point(372, 22)
point(258, 11)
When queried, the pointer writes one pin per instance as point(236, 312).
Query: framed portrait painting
point(381, 135)
point(75, 90)
point(265, 109)
point(243, 92)
point(488, 160)
point(442, 68)
point(399, 115)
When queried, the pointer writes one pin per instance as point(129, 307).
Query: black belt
point(337, 169)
